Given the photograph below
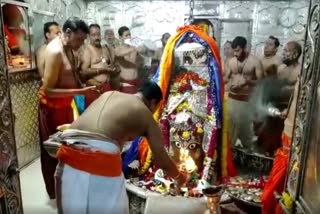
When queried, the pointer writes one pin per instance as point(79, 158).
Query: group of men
point(69, 68)
point(242, 72)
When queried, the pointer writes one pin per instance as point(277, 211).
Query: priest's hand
point(179, 182)
point(284, 114)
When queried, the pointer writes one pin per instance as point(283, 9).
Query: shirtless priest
point(89, 176)
point(98, 66)
point(242, 73)
point(60, 84)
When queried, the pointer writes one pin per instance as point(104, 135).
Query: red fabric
point(96, 163)
point(93, 96)
point(276, 179)
point(12, 42)
point(130, 89)
point(53, 112)
point(54, 102)
point(278, 209)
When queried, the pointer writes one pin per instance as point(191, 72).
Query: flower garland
point(182, 81)
point(146, 164)
point(163, 75)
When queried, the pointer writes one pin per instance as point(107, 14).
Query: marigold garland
point(146, 164)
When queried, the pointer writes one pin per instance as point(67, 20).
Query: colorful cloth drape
point(219, 139)
point(80, 102)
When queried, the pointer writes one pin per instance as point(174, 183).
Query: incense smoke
point(266, 99)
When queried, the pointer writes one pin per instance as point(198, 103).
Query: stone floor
point(34, 195)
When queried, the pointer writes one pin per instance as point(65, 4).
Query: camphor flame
point(187, 164)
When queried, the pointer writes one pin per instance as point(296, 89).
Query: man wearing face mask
point(51, 31)
point(271, 61)
point(127, 56)
point(60, 84)
point(242, 73)
point(289, 71)
point(98, 65)
point(291, 67)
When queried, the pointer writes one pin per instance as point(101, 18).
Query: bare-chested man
point(291, 67)
point(158, 54)
point(60, 84)
point(271, 61)
point(277, 177)
point(127, 57)
point(90, 170)
point(242, 72)
point(110, 38)
point(228, 54)
point(98, 65)
point(51, 30)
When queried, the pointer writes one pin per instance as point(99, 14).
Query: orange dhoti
point(89, 178)
point(53, 112)
point(130, 89)
point(277, 177)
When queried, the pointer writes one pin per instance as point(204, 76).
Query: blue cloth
point(80, 103)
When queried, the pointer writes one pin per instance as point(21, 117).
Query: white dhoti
point(240, 122)
point(83, 192)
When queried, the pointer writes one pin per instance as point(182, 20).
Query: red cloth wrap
point(130, 89)
point(277, 178)
point(104, 87)
point(53, 112)
point(96, 163)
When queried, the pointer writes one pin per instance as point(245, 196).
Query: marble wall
point(150, 19)
point(43, 11)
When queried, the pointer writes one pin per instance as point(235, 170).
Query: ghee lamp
point(187, 164)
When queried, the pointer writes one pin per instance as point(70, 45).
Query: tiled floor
point(34, 195)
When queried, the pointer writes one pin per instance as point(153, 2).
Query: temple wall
point(150, 19)
point(49, 10)
point(24, 85)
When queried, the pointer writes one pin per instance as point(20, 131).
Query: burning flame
point(186, 162)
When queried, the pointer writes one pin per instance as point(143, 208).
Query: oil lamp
point(187, 164)
point(213, 195)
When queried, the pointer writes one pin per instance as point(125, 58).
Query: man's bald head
point(109, 35)
point(296, 47)
point(291, 52)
